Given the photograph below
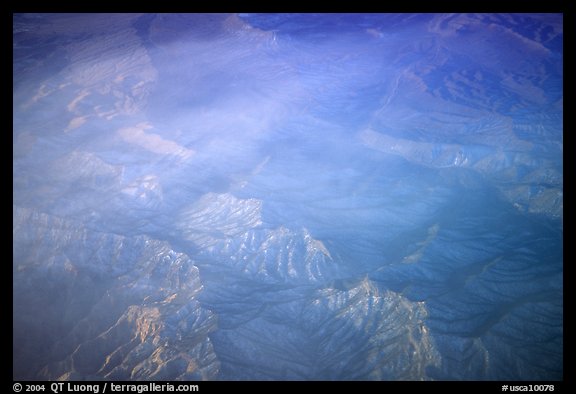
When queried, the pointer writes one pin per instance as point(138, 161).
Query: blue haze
point(288, 197)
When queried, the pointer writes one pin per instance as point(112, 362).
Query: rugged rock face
point(90, 304)
point(286, 313)
point(105, 306)
point(272, 303)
